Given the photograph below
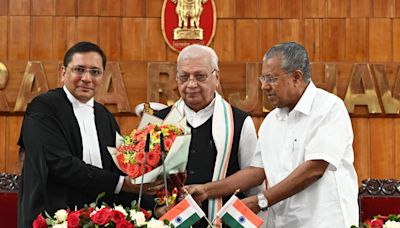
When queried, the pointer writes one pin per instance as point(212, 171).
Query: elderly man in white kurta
point(306, 148)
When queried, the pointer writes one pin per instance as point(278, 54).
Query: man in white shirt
point(65, 134)
point(306, 148)
point(223, 140)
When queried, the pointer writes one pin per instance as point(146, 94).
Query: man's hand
point(148, 189)
point(198, 192)
point(252, 203)
point(160, 211)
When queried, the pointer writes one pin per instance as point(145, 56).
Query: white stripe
point(236, 215)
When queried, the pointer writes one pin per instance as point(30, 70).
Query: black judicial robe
point(202, 154)
point(54, 175)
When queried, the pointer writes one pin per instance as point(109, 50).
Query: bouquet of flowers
point(379, 221)
point(130, 154)
point(105, 216)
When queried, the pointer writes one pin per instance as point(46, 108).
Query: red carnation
point(147, 215)
point(376, 223)
point(125, 224)
point(134, 170)
point(168, 143)
point(73, 219)
point(121, 161)
point(140, 145)
point(117, 216)
point(153, 158)
point(40, 222)
point(102, 216)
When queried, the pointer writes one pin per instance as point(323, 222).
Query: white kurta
point(318, 128)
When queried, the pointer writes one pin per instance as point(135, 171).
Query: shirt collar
point(303, 105)
point(196, 119)
point(75, 102)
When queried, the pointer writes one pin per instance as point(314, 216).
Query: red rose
point(86, 214)
point(125, 224)
point(134, 170)
point(73, 219)
point(102, 216)
point(140, 157)
point(153, 158)
point(376, 223)
point(40, 222)
point(117, 216)
point(147, 215)
point(168, 143)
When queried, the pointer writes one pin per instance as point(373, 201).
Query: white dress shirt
point(84, 113)
point(318, 128)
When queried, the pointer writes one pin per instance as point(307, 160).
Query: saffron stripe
point(175, 211)
point(239, 205)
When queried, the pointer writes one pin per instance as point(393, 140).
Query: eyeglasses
point(270, 79)
point(94, 72)
point(198, 77)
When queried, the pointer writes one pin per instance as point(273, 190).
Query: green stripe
point(189, 221)
point(230, 221)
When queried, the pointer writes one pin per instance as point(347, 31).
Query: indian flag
point(236, 214)
point(184, 214)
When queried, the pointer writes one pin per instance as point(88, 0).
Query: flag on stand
point(236, 214)
point(185, 213)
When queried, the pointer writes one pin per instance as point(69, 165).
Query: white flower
point(62, 225)
point(121, 209)
point(61, 216)
point(96, 210)
point(138, 217)
point(153, 223)
point(391, 224)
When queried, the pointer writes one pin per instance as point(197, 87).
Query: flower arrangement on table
point(104, 216)
point(380, 221)
point(129, 154)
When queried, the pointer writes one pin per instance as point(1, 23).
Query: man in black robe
point(65, 135)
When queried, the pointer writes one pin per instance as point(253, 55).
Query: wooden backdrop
point(339, 31)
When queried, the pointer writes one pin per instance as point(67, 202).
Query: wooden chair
point(379, 196)
point(9, 185)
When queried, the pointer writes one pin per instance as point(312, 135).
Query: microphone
point(162, 148)
point(146, 151)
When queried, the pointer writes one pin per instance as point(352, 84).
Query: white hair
point(197, 51)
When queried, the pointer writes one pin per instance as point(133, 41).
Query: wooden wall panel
point(291, 9)
point(224, 39)
point(88, 7)
point(41, 38)
point(153, 8)
point(13, 131)
point(154, 45)
point(66, 8)
point(246, 9)
point(356, 39)
point(64, 35)
point(128, 123)
point(246, 40)
point(110, 36)
point(3, 38)
point(268, 9)
point(361, 146)
point(132, 38)
point(20, 7)
point(136, 74)
point(43, 7)
point(173, 55)
point(133, 8)
point(110, 8)
point(380, 40)
point(3, 143)
point(225, 8)
point(360, 8)
point(383, 8)
point(382, 148)
point(397, 8)
point(269, 33)
point(292, 30)
point(3, 7)
point(396, 39)
point(312, 38)
point(88, 29)
point(19, 33)
point(333, 39)
point(397, 148)
point(337, 8)
point(314, 8)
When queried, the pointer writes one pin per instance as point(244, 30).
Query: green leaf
point(101, 195)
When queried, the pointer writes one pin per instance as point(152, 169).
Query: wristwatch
point(262, 201)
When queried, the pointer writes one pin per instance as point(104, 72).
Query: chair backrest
point(9, 185)
point(379, 197)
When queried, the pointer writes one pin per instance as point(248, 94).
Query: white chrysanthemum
point(139, 218)
point(391, 224)
point(153, 223)
point(62, 225)
point(121, 209)
point(61, 216)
